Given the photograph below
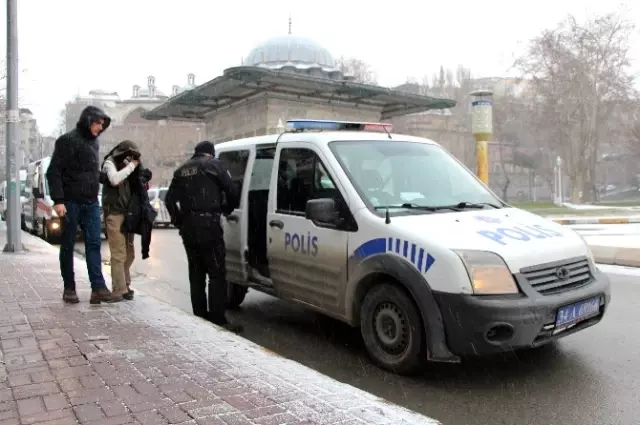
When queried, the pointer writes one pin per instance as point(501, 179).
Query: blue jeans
point(87, 216)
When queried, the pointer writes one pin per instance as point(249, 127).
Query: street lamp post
point(557, 173)
point(14, 236)
point(482, 128)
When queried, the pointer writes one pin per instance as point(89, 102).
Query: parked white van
point(156, 198)
point(391, 234)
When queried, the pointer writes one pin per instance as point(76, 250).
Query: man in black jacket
point(198, 186)
point(74, 183)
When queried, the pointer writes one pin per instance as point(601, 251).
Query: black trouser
point(204, 243)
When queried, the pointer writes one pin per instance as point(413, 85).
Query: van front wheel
point(391, 329)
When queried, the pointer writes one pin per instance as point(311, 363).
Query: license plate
point(577, 312)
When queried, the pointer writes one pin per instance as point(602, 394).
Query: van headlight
point(488, 273)
point(590, 256)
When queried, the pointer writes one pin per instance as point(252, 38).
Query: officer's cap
point(205, 147)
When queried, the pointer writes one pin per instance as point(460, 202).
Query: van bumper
point(479, 325)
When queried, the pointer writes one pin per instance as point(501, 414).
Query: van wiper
point(408, 206)
point(477, 205)
point(467, 205)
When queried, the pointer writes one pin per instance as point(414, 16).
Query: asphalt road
point(591, 378)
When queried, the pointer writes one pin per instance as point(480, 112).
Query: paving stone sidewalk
point(145, 362)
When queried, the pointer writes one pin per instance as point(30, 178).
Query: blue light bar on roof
point(301, 125)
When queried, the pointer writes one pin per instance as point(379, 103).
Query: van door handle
point(232, 218)
point(276, 223)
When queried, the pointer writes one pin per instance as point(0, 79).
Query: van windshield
point(410, 175)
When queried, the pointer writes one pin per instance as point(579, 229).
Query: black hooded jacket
point(74, 171)
point(141, 215)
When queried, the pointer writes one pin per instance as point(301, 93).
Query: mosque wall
point(245, 119)
point(260, 115)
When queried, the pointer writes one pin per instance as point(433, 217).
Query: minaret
point(289, 23)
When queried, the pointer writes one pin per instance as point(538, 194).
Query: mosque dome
point(294, 54)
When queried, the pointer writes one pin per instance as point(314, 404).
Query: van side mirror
point(322, 211)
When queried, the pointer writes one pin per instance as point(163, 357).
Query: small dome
point(291, 51)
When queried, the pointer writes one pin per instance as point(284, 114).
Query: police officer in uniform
point(201, 191)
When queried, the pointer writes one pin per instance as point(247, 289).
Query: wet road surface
point(591, 378)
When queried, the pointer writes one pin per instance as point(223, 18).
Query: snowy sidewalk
point(145, 362)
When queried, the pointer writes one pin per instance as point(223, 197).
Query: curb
point(616, 256)
point(595, 220)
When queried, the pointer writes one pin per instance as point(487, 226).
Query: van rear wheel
point(235, 295)
point(391, 329)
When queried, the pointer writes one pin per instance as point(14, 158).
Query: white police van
point(392, 234)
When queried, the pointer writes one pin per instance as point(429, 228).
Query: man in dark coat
point(74, 183)
point(195, 201)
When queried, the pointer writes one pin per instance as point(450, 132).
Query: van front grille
point(550, 279)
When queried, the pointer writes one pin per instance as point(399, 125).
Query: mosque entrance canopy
point(243, 82)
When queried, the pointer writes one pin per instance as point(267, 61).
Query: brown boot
point(70, 296)
point(128, 295)
point(104, 295)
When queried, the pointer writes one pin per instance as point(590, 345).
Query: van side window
point(262, 168)
point(301, 177)
point(236, 163)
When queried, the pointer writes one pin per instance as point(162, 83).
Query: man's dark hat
point(205, 147)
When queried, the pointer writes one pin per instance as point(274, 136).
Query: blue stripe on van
point(412, 252)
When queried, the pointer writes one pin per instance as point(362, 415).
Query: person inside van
point(118, 174)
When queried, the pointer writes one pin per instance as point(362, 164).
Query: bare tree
point(62, 121)
point(457, 84)
point(360, 70)
point(515, 137)
point(631, 132)
point(580, 74)
point(504, 125)
point(451, 128)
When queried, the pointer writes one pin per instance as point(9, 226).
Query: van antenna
point(387, 131)
point(387, 218)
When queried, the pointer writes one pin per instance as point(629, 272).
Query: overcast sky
point(72, 46)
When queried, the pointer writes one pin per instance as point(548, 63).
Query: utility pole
point(14, 234)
